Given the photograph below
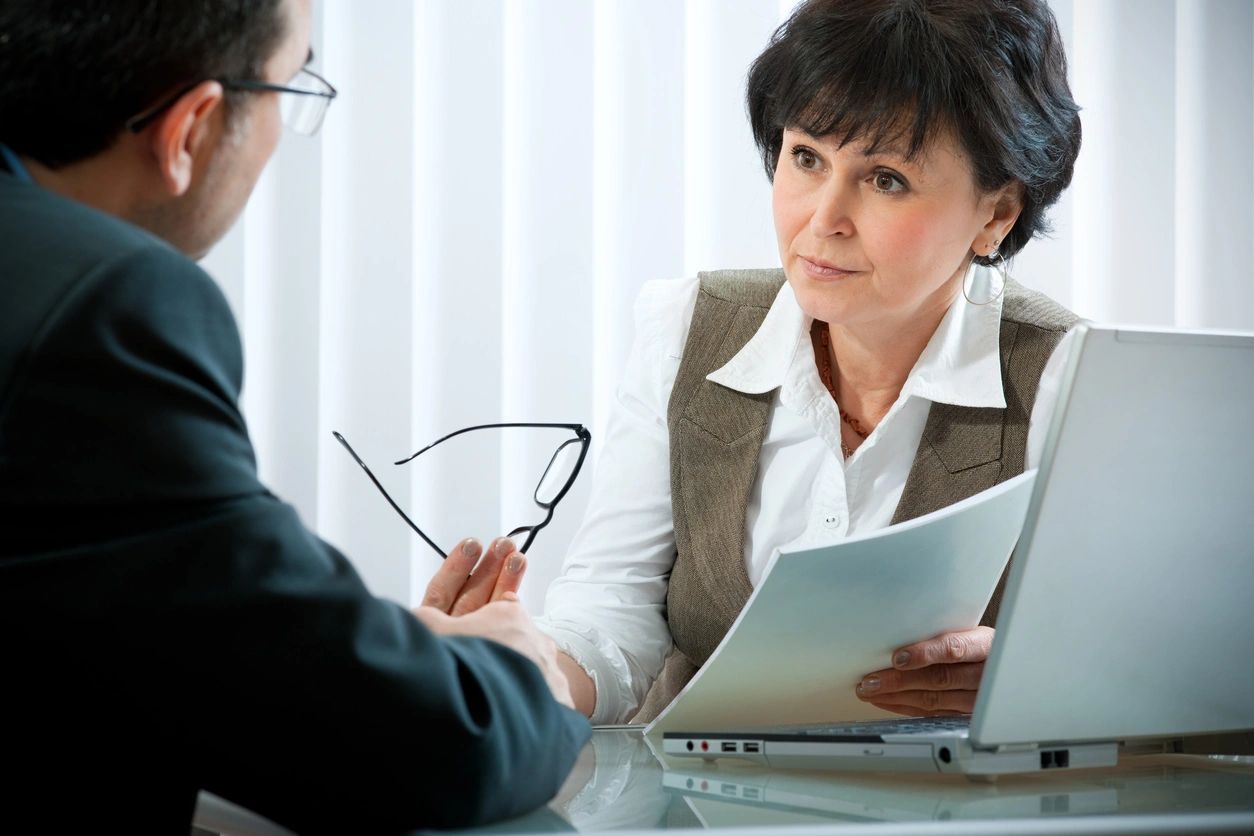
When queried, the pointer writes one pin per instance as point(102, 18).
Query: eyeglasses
point(554, 483)
point(302, 111)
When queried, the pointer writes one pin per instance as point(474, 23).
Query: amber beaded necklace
point(821, 339)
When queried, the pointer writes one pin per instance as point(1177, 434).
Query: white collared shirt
point(607, 609)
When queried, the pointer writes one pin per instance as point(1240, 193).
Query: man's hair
point(993, 72)
point(72, 72)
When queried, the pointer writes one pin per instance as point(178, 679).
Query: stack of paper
point(823, 618)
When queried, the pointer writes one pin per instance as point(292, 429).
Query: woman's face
point(876, 239)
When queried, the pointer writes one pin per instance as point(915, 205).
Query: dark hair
point(73, 71)
point(991, 71)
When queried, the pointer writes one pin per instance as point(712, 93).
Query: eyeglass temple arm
point(578, 429)
point(388, 496)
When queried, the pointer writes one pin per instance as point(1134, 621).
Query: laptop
point(1128, 615)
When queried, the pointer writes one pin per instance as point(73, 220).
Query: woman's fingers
point(938, 676)
point(926, 703)
point(915, 711)
point(479, 587)
point(934, 690)
point(471, 576)
point(511, 575)
point(882, 684)
point(446, 586)
point(959, 646)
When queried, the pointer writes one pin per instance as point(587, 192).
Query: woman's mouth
point(824, 271)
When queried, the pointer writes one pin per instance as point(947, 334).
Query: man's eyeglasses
point(302, 111)
point(556, 480)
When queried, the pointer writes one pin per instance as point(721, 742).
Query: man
point(167, 625)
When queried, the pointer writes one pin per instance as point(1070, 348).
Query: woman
point(888, 370)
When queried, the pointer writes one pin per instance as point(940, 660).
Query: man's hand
point(465, 583)
point(934, 677)
point(505, 622)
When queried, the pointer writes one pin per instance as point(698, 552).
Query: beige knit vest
point(716, 436)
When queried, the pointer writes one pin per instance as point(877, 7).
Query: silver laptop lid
point(1130, 604)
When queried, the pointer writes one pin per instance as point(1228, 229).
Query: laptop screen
point(1127, 611)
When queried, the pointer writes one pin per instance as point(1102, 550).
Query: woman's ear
point(1005, 205)
point(182, 135)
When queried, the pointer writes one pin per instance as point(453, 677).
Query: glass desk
point(619, 785)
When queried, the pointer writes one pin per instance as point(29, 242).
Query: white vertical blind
point(1214, 172)
point(463, 241)
point(1123, 75)
point(727, 201)
point(366, 325)
point(458, 234)
point(638, 164)
point(547, 268)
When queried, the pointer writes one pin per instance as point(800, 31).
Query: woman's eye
point(804, 157)
point(887, 182)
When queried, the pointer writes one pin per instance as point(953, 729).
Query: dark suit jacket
point(166, 624)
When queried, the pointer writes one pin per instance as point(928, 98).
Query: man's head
point(74, 73)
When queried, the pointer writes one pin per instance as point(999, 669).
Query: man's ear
point(184, 132)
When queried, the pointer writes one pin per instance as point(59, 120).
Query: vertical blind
point(463, 241)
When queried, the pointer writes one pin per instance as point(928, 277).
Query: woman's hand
point(470, 596)
point(465, 583)
point(934, 677)
point(505, 622)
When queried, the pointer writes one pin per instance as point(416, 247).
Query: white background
point(463, 241)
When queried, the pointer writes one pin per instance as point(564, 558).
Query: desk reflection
point(622, 783)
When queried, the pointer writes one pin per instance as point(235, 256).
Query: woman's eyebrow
point(889, 148)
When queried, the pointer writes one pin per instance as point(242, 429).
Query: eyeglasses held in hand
point(556, 480)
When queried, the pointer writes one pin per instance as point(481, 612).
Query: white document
point(823, 618)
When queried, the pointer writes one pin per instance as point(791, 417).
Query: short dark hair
point(991, 71)
point(72, 72)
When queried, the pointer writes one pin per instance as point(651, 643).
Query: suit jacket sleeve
point(227, 639)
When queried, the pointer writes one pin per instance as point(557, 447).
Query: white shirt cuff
point(604, 663)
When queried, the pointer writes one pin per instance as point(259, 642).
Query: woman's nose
point(833, 205)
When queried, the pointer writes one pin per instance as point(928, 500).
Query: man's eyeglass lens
point(304, 113)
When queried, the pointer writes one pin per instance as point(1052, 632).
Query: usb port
point(750, 792)
point(753, 747)
point(1060, 759)
point(729, 745)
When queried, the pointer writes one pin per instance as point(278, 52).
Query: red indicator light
point(705, 745)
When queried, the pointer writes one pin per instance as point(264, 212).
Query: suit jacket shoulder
point(120, 373)
point(157, 601)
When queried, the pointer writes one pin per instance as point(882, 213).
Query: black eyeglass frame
point(582, 437)
point(137, 123)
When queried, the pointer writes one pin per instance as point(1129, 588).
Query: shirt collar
point(763, 363)
point(960, 365)
point(14, 165)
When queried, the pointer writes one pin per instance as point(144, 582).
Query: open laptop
point(1129, 610)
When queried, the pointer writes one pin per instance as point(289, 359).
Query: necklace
point(823, 353)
